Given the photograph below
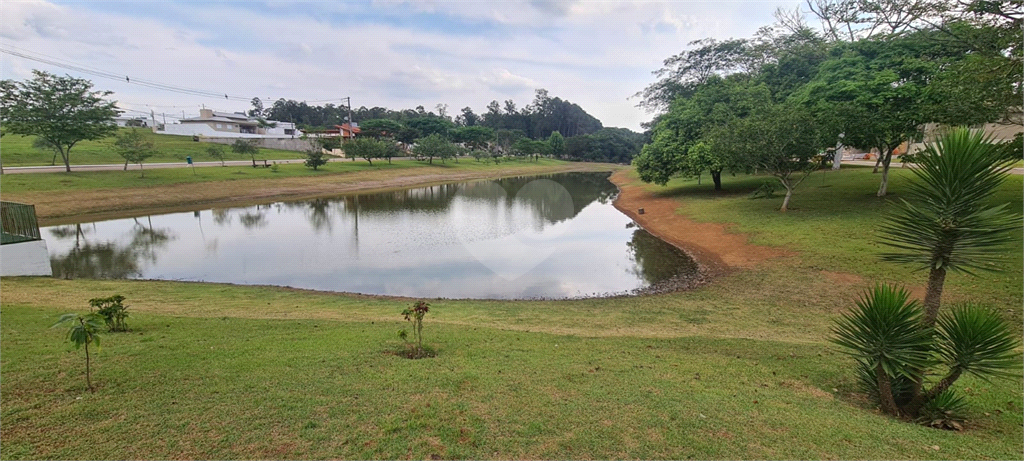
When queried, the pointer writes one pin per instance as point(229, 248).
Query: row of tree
point(871, 78)
point(537, 120)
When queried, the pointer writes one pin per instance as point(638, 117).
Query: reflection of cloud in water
point(514, 237)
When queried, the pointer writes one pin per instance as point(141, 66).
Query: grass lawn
point(18, 151)
point(740, 368)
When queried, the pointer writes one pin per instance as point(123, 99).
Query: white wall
point(25, 258)
point(202, 129)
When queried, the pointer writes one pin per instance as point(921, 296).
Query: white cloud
point(391, 54)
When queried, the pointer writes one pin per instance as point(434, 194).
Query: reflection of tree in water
point(252, 219)
point(221, 216)
point(108, 260)
point(657, 261)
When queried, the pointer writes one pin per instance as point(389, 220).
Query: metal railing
point(18, 223)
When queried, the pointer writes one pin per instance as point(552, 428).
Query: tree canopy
point(61, 110)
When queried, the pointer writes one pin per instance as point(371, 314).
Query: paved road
point(909, 165)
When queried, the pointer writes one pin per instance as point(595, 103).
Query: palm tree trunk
point(885, 392)
point(933, 295)
point(921, 398)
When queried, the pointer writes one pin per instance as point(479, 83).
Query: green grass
point(229, 387)
point(18, 151)
point(92, 180)
point(740, 368)
point(833, 222)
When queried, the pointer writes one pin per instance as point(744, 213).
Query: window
point(219, 125)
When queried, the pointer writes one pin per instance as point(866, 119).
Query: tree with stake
point(243, 147)
point(82, 332)
point(216, 151)
point(61, 110)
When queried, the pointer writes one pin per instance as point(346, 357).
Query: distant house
point(210, 123)
point(125, 120)
point(345, 132)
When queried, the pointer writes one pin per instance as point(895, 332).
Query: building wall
point(25, 258)
point(202, 129)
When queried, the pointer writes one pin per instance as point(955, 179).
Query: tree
point(369, 149)
point(434, 146)
point(473, 137)
point(216, 151)
point(134, 148)
point(947, 224)
point(895, 349)
point(557, 144)
point(698, 119)
point(243, 147)
point(779, 139)
point(83, 331)
point(315, 157)
point(61, 110)
point(380, 128)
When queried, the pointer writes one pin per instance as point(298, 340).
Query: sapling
point(415, 315)
point(83, 331)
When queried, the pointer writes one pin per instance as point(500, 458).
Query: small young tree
point(315, 157)
point(216, 151)
point(83, 332)
point(432, 146)
point(415, 314)
point(366, 148)
point(243, 148)
point(134, 148)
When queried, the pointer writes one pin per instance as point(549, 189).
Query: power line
point(109, 75)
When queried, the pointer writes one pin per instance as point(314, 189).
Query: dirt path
point(711, 244)
point(91, 205)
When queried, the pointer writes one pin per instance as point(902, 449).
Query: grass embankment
point(17, 150)
point(737, 369)
point(105, 194)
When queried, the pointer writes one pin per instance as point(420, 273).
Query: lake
point(555, 236)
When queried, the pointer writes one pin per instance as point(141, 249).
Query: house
point(344, 131)
point(211, 123)
point(126, 120)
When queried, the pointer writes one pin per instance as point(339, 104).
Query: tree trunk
point(877, 162)
point(922, 398)
point(125, 165)
point(884, 187)
point(885, 392)
point(67, 163)
point(837, 158)
point(933, 295)
point(716, 176)
point(789, 193)
point(143, 170)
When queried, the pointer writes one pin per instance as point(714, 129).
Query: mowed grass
point(131, 179)
point(17, 150)
point(740, 368)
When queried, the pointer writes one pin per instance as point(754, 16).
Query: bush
point(112, 310)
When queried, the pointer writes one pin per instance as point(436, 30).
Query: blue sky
point(394, 54)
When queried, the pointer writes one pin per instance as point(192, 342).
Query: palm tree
point(946, 225)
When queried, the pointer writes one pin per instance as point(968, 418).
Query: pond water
point(555, 236)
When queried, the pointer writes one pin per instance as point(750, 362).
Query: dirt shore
point(713, 245)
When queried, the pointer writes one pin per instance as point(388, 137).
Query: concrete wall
point(297, 145)
point(25, 258)
point(202, 129)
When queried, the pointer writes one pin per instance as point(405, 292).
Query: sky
point(393, 54)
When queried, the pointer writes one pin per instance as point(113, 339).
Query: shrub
point(112, 310)
point(415, 314)
point(896, 350)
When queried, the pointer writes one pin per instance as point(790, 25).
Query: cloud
point(394, 54)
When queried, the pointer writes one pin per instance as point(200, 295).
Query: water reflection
point(555, 236)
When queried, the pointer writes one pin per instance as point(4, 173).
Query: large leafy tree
point(61, 110)
point(697, 120)
point(779, 139)
point(434, 145)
